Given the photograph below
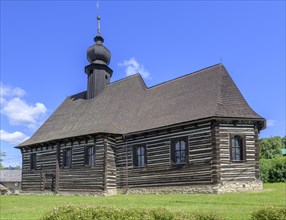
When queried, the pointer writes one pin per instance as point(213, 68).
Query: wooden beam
point(105, 163)
point(215, 159)
point(57, 171)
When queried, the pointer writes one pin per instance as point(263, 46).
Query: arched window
point(139, 156)
point(237, 149)
point(179, 151)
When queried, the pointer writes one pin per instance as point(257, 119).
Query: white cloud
point(13, 138)
point(17, 110)
point(133, 67)
point(7, 91)
point(270, 123)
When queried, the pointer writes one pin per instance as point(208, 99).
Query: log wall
point(159, 170)
point(51, 175)
point(208, 160)
point(46, 162)
point(247, 170)
point(81, 178)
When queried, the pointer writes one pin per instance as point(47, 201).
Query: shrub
point(273, 170)
point(85, 212)
point(269, 213)
point(207, 216)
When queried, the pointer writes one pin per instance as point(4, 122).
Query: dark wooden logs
point(208, 159)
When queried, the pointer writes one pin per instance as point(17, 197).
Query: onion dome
point(98, 53)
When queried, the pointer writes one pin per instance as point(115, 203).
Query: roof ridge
point(127, 78)
point(151, 87)
point(186, 75)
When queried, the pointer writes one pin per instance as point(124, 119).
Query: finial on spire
point(98, 25)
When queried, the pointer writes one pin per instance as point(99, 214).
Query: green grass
point(230, 205)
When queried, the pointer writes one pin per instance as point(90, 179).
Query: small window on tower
point(106, 77)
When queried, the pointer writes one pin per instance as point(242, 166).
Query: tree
point(284, 142)
point(271, 147)
point(2, 154)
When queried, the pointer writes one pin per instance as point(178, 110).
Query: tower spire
point(98, 72)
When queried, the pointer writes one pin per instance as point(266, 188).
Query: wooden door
point(49, 182)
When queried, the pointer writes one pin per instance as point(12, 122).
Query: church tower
point(98, 72)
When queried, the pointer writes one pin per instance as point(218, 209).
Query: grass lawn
point(230, 205)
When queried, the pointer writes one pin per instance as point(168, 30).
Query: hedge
point(85, 212)
point(273, 170)
point(269, 213)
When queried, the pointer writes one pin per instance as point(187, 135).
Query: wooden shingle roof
point(127, 106)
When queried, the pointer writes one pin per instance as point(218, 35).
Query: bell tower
point(98, 72)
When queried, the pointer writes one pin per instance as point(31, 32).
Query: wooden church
point(193, 134)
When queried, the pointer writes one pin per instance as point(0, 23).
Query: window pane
point(140, 151)
point(139, 156)
point(236, 142)
point(90, 156)
point(233, 154)
point(90, 151)
point(183, 145)
point(237, 156)
point(233, 142)
point(141, 161)
point(177, 147)
point(237, 149)
point(183, 156)
point(67, 157)
point(240, 147)
point(178, 157)
point(179, 152)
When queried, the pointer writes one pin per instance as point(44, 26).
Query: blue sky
point(44, 44)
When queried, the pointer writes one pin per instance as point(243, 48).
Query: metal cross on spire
point(98, 19)
point(98, 25)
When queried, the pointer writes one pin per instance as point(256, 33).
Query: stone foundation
point(239, 186)
point(224, 187)
point(110, 192)
point(199, 189)
point(173, 189)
